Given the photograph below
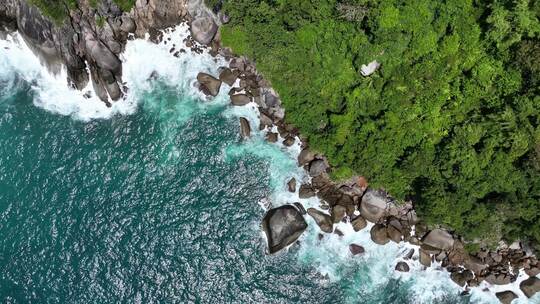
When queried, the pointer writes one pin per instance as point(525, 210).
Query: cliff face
point(89, 41)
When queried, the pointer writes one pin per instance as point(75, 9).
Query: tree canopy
point(450, 120)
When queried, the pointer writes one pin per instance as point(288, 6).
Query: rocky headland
point(89, 43)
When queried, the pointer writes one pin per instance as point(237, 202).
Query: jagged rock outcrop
point(88, 41)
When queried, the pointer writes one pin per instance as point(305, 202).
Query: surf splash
point(369, 278)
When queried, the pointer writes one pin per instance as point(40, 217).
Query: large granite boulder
point(240, 99)
point(379, 235)
point(439, 238)
point(203, 30)
point(283, 226)
point(322, 219)
point(506, 297)
point(305, 157)
point(530, 286)
point(338, 213)
point(228, 76)
point(358, 223)
point(373, 206)
point(425, 258)
point(209, 85)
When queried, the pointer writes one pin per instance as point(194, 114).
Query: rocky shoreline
point(90, 51)
point(353, 201)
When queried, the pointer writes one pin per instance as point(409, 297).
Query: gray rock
point(203, 30)
point(425, 259)
point(300, 208)
point(128, 25)
point(209, 84)
point(291, 185)
point(378, 234)
point(228, 76)
point(356, 249)
point(498, 279)
point(265, 122)
point(530, 286)
point(409, 254)
point(461, 277)
point(358, 223)
point(305, 157)
point(317, 167)
point(306, 191)
point(393, 233)
point(289, 141)
point(240, 99)
point(439, 238)
point(323, 220)
point(506, 297)
point(402, 266)
point(373, 206)
point(245, 129)
point(283, 226)
point(272, 137)
point(338, 213)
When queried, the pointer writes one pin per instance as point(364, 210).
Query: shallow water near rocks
point(159, 200)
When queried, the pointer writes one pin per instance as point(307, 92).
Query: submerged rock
point(323, 220)
point(283, 226)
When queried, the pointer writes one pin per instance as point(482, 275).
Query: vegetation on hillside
point(451, 120)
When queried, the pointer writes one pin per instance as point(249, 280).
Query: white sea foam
point(331, 254)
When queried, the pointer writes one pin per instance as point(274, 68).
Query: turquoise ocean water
point(158, 200)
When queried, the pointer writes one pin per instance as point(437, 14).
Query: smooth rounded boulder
point(240, 99)
point(378, 234)
point(209, 84)
point(506, 297)
point(203, 30)
point(530, 286)
point(373, 206)
point(439, 238)
point(283, 226)
point(322, 219)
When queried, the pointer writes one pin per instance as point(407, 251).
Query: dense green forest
point(451, 119)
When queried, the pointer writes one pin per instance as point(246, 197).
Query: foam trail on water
point(363, 278)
